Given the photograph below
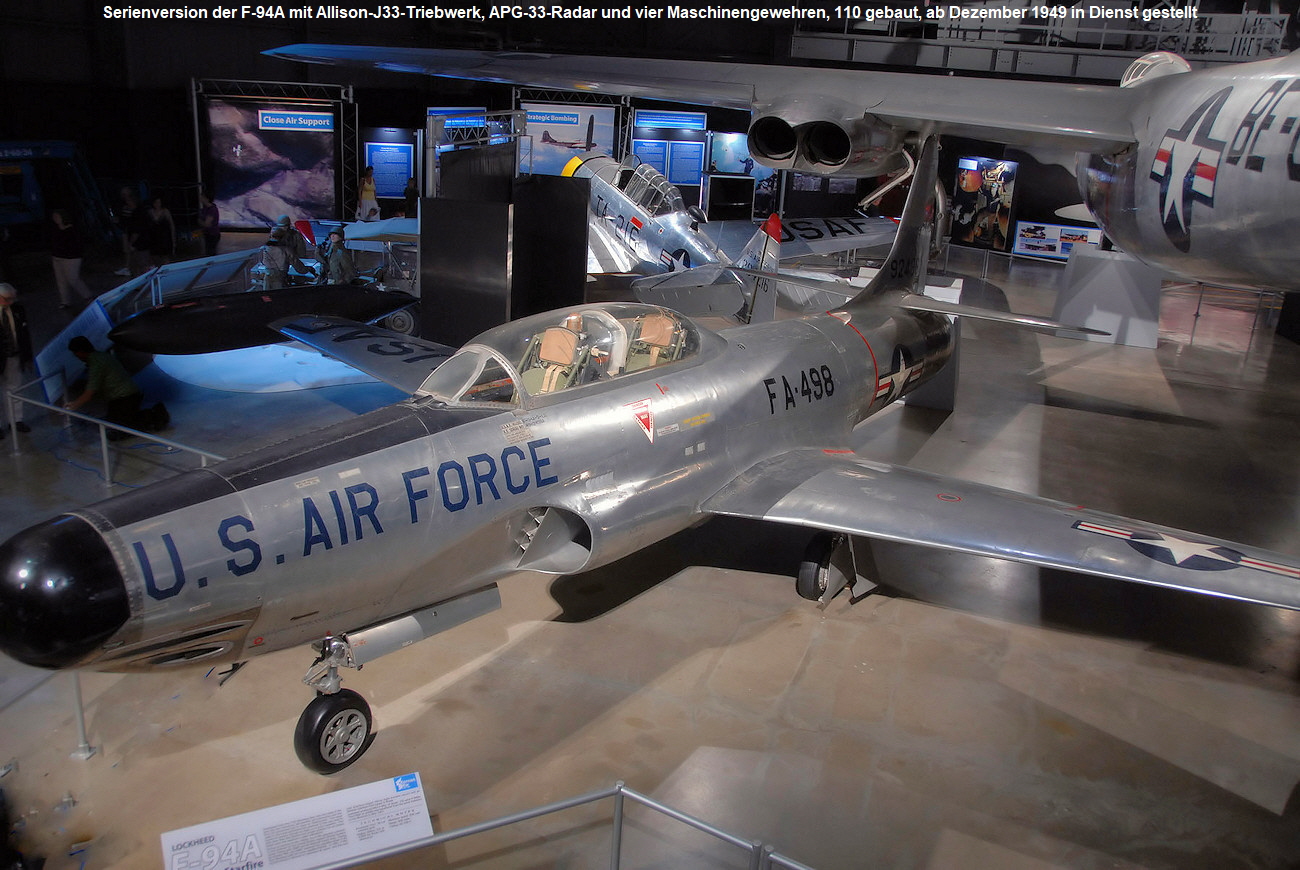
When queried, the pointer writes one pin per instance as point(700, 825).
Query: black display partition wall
point(485, 261)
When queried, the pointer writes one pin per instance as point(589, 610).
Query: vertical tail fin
point(904, 269)
point(763, 252)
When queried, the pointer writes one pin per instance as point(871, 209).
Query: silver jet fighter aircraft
point(640, 223)
point(556, 443)
point(1194, 172)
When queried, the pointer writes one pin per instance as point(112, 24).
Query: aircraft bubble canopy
point(1153, 65)
point(517, 363)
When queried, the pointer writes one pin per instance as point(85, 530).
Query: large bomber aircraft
point(1194, 172)
point(556, 443)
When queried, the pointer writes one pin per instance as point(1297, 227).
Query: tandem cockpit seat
point(553, 361)
point(656, 340)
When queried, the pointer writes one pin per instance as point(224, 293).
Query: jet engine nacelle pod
point(824, 138)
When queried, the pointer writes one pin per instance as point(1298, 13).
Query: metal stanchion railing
point(84, 750)
point(103, 426)
point(761, 855)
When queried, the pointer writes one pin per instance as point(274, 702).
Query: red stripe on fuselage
point(875, 367)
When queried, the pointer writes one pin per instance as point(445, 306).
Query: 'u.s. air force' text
point(352, 513)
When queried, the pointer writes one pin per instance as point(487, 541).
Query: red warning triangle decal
point(644, 417)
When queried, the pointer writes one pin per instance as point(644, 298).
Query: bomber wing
point(839, 491)
point(1085, 117)
point(400, 360)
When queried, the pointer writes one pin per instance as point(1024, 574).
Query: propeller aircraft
point(639, 223)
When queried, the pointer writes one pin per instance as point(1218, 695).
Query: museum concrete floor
point(973, 714)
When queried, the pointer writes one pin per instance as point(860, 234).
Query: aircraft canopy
point(563, 350)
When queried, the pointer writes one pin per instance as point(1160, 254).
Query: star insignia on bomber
point(1183, 163)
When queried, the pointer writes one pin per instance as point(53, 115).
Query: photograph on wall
point(982, 201)
point(1053, 241)
point(730, 155)
point(269, 159)
point(807, 183)
point(558, 132)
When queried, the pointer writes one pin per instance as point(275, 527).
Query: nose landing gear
point(333, 731)
point(336, 728)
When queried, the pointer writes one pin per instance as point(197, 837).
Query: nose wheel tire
point(333, 732)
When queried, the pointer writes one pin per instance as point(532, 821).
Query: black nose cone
point(61, 594)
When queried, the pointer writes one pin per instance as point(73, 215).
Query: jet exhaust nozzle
point(807, 139)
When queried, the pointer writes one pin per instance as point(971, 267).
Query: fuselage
point(1211, 190)
point(501, 465)
point(638, 220)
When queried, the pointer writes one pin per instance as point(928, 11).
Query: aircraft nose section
point(61, 594)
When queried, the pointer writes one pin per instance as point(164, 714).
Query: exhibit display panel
point(268, 158)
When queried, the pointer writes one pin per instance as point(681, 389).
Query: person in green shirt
point(108, 381)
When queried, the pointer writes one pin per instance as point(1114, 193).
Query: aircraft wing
point(1085, 117)
point(400, 360)
point(839, 491)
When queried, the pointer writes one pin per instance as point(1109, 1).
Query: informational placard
point(459, 117)
point(685, 162)
point(308, 833)
point(1052, 241)
point(285, 119)
point(663, 120)
point(394, 163)
point(653, 152)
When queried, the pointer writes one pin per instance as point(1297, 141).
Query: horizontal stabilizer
point(913, 302)
point(710, 290)
point(839, 491)
point(807, 237)
point(400, 360)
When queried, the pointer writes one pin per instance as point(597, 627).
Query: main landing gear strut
point(336, 728)
point(831, 562)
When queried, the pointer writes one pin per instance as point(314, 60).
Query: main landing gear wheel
point(333, 731)
point(813, 576)
point(405, 321)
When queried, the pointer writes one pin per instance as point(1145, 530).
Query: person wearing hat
point(108, 380)
point(278, 257)
point(293, 239)
point(15, 353)
point(338, 265)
